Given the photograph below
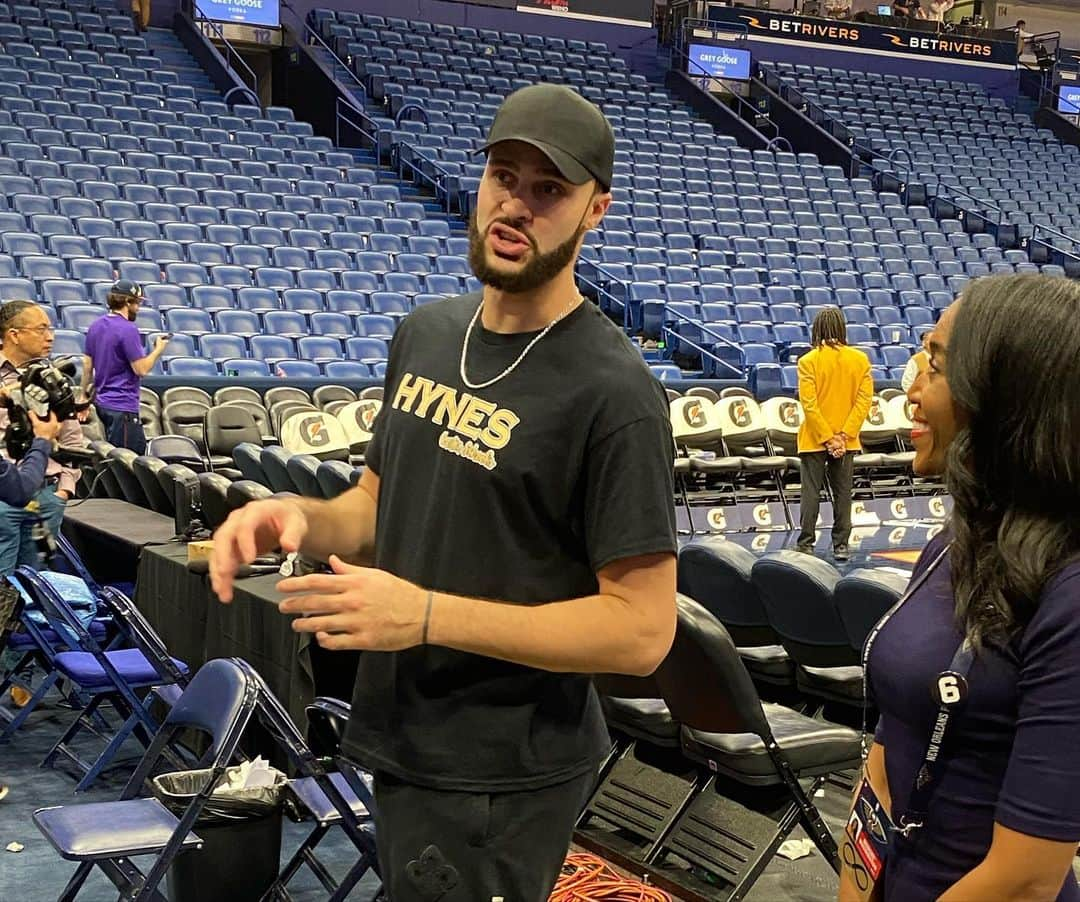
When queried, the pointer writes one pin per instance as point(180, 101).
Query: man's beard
point(132, 315)
point(540, 269)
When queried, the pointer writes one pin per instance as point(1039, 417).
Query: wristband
point(427, 617)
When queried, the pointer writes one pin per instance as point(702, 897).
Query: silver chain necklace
point(513, 366)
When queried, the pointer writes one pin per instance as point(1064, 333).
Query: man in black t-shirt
point(517, 515)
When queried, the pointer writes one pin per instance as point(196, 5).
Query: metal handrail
point(910, 160)
point(437, 181)
point(989, 205)
point(779, 140)
point(365, 123)
point(202, 20)
point(1058, 234)
point(720, 339)
point(408, 108)
point(615, 300)
point(864, 151)
point(312, 33)
point(742, 100)
point(1055, 99)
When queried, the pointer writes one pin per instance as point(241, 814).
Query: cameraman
point(115, 361)
point(19, 482)
point(25, 335)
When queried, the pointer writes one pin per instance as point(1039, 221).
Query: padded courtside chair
point(716, 572)
point(862, 597)
point(727, 730)
point(797, 591)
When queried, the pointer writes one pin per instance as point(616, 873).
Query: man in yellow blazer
point(835, 389)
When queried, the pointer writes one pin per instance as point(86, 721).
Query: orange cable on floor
point(586, 878)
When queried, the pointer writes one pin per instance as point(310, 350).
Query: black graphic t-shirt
point(519, 492)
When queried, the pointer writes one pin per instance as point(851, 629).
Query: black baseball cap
point(564, 126)
point(127, 289)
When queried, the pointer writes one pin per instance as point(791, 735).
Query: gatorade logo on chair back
point(739, 411)
point(358, 420)
point(316, 433)
point(312, 431)
point(789, 414)
point(694, 415)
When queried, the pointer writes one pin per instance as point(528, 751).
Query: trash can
point(241, 833)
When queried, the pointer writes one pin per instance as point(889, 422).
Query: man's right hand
point(47, 429)
point(254, 529)
point(161, 341)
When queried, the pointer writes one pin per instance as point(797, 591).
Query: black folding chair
point(727, 730)
point(346, 801)
point(326, 724)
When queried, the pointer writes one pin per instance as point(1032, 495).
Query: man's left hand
point(356, 608)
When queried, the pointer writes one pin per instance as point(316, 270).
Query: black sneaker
point(804, 549)
point(841, 553)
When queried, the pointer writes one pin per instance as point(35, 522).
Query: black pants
point(122, 428)
point(815, 466)
point(506, 845)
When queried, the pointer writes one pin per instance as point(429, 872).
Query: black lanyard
point(950, 689)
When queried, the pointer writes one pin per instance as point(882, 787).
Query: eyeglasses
point(44, 329)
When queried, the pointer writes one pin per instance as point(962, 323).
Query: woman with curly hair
point(977, 672)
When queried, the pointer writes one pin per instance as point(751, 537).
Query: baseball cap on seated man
point(564, 126)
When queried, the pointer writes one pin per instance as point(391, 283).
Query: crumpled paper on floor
point(794, 849)
point(14, 847)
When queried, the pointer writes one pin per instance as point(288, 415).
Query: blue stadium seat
point(212, 297)
point(272, 347)
point(258, 299)
point(274, 277)
point(289, 323)
point(347, 369)
point(66, 341)
point(338, 325)
point(366, 349)
point(220, 347)
point(376, 325)
point(241, 323)
point(244, 367)
point(298, 369)
point(188, 322)
point(191, 367)
point(316, 280)
point(319, 347)
point(302, 299)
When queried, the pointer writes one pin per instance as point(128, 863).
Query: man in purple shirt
point(115, 361)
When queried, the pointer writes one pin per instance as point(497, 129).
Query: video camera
point(44, 387)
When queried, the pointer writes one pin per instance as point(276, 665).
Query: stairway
point(168, 48)
point(366, 158)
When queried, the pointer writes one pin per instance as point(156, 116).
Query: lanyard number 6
point(951, 688)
